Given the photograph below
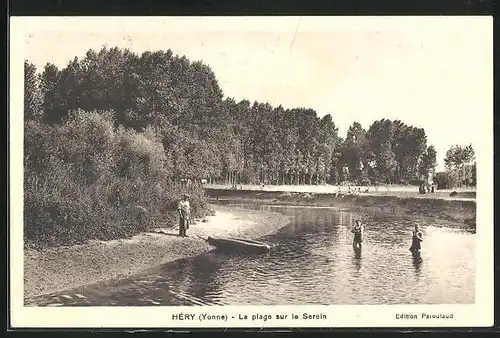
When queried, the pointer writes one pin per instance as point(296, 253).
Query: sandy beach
point(61, 268)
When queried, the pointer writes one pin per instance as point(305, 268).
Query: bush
point(416, 182)
point(139, 155)
point(88, 141)
point(249, 176)
point(365, 181)
point(378, 183)
point(446, 180)
point(85, 180)
point(40, 151)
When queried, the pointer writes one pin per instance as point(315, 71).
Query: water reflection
point(313, 262)
point(357, 258)
point(357, 253)
point(417, 261)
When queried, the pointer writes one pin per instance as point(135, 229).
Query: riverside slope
point(458, 210)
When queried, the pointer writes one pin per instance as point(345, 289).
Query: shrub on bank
point(365, 181)
point(446, 180)
point(87, 180)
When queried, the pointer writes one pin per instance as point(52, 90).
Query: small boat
point(231, 244)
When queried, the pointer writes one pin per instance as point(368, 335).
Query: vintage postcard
point(217, 172)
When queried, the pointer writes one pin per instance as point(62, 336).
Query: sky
point(434, 73)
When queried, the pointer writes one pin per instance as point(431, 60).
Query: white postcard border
point(478, 314)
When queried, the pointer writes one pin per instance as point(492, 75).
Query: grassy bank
point(455, 210)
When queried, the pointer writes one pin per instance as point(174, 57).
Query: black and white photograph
point(251, 171)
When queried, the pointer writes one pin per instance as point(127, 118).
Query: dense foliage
point(460, 168)
point(117, 126)
point(87, 179)
point(209, 136)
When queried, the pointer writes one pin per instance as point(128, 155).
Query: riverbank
point(61, 268)
point(459, 210)
point(387, 190)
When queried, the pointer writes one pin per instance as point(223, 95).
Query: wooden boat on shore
point(238, 245)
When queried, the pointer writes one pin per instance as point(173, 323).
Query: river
point(312, 261)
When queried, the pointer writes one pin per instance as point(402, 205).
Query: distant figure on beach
point(184, 209)
point(416, 240)
point(358, 231)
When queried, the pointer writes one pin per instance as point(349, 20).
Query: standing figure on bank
point(358, 231)
point(416, 240)
point(184, 215)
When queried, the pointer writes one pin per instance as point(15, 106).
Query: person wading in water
point(358, 231)
point(184, 215)
point(416, 239)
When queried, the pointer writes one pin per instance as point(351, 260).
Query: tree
point(409, 146)
point(33, 99)
point(380, 136)
point(69, 89)
point(230, 153)
point(459, 155)
point(459, 159)
point(354, 151)
point(306, 122)
point(474, 175)
point(328, 143)
point(287, 143)
point(51, 98)
point(428, 163)
point(264, 139)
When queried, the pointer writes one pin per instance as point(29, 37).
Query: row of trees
point(205, 135)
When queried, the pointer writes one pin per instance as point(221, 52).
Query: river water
point(312, 262)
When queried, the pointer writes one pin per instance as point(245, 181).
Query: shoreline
point(459, 210)
point(397, 191)
point(68, 267)
point(62, 268)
